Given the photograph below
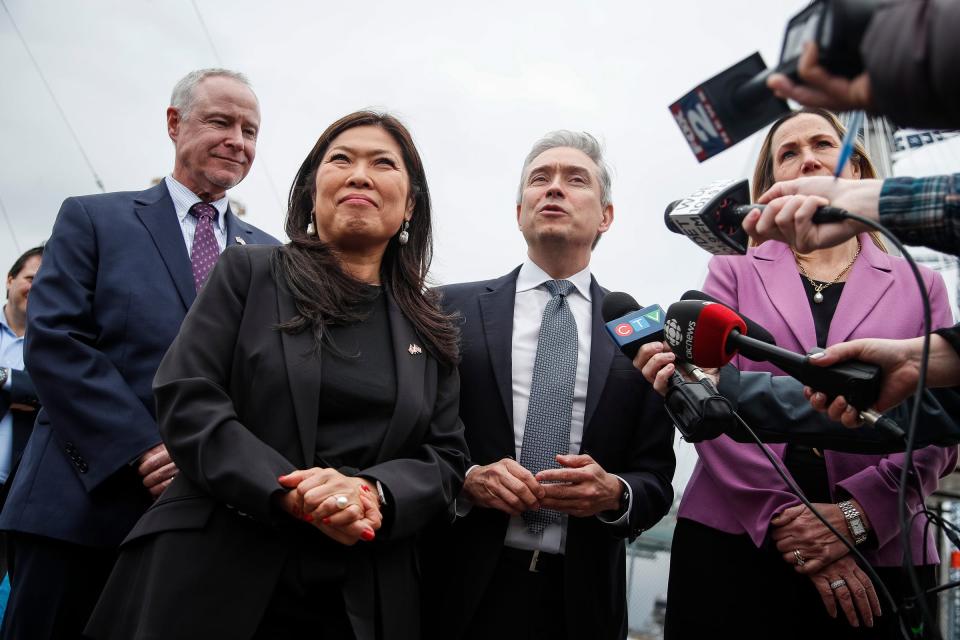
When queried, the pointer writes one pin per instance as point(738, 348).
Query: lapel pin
point(414, 349)
point(239, 240)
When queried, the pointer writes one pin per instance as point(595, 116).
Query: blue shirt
point(11, 357)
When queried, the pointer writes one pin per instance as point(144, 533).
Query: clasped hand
point(826, 561)
point(579, 488)
point(312, 497)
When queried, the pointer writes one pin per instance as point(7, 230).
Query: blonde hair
point(763, 171)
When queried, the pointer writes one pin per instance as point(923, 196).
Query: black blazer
point(114, 286)
point(237, 405)
point(625, 430)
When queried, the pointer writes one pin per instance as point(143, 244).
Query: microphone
point(628, 325)
point(695, 408)
point(754, 330)
point(727, 108)
point(736, 103)
point(712, 217)
point(709, 334)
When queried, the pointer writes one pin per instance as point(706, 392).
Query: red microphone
point(699, 331)
point(708, 334)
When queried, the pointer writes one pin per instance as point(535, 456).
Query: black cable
point(13, 235)
point(53, 97)
point(908, 466)
point(867, 568)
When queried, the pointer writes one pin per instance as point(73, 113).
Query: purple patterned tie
point(205, 248)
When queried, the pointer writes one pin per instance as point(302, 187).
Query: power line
point(6, 217)
point(53, 96)
point(216, 56)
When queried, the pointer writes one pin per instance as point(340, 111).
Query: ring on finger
point(341, 501)
point(836, 584)
point(800, 560)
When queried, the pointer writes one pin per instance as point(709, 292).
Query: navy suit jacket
point(626, 430)
point(115, 284)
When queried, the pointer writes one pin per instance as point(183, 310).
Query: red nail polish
point(367, 535)
point(307, 517)
point(326, 520)
point(365, 487)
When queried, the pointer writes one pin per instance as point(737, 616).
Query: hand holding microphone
point(710, 334)
point(790, 208)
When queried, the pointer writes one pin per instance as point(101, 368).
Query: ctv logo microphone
point(637, 328)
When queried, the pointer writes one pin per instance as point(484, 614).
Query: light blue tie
point(546, 432)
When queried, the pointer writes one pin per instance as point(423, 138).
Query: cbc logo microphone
point(672, 333)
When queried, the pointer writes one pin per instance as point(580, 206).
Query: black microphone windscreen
point(617, 304)
point(754, 330)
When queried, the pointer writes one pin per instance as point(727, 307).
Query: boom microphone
point(710, 334)
point(712, 217)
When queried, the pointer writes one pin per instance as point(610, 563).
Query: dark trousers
point(722, 586)
point(520, 604)
point(54, 586)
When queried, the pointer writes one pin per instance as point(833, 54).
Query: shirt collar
point(3, 323)
point(532, 276)
point(183, 199)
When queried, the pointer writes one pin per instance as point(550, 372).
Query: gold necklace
point(818, 287)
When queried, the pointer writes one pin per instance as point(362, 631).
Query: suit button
point(82, 466)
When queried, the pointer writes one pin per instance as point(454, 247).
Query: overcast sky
point(476, 85)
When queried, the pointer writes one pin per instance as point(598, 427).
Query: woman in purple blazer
point(748, 559)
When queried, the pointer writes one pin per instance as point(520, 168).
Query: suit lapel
point(238, 232)
point(777, 269)
point(869, 279)
point(303, 375)
point(602, 352)
point(496, 312)
point(156, 212)
point(410, 358)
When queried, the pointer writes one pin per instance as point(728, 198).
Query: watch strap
point(854, 523)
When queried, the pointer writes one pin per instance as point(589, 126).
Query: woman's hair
point(763, 172)
point(326, 294)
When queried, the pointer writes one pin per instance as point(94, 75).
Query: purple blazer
point(733, 487)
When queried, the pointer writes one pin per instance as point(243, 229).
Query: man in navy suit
point(538, 551)
point(119, 273)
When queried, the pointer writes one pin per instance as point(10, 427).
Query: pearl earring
point(311, 229)
point(404, 236)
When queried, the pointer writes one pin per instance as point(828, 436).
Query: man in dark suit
point(120, 272)
point(571, 450)
point(18, 397)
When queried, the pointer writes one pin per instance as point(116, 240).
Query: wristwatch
point(3, 376)
point(854, 523)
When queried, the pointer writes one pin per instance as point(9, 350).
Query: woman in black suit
point(310, 402)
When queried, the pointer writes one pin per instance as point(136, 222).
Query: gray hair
point(182, 97)
point(579, 140)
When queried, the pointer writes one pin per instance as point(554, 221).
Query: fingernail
point(818, 354)
point(326, 520)
point(367, 535)
point(364, 487)
point(850, 409)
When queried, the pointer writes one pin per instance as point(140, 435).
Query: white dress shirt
point(183, 199)
point(531, 298)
